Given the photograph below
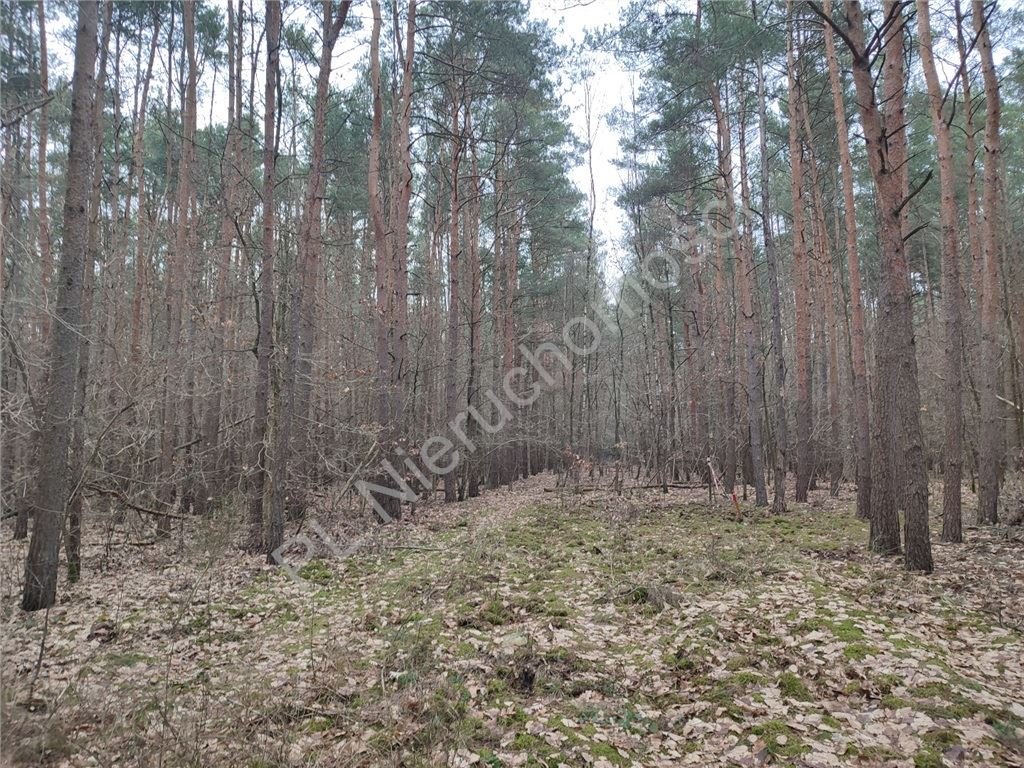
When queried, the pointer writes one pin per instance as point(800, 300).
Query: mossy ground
point(543, 630)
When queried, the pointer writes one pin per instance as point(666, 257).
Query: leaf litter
point(529, 629)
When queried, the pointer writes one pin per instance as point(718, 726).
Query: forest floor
point(529, 628)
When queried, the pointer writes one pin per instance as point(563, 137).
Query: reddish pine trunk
point(951, 289)
point(973, 273)
point(744, 272)
point(858, 344)
point(899, 478)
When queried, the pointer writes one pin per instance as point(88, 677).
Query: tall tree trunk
point(744, 271)
point(502, 309)
point(861, 405)
point(476, 310)
point(454, 252)
point(827, 327)
point(518, 464)
point(592, 442)
point(9, 487)
point(40, 588)
point(801, 277)
point(141, 263)
point(42, 211)
point(390, 237)
point(771, 257)
point(899, 477)
point(974, 269)
point(310, 239)
point(755, 376)
point(400, 198)
point(259, 463)
point(178, 272)
point(834, 405)
point(76, 465)
point(432, 312)
point(300, 313)
point(951, 289)
point(207, 481)
point(381, 242)
point(974, 242)
point(990, 433)
point(8, 236)
point(724, 360)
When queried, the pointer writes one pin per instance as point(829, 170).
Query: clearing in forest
point(531, 628)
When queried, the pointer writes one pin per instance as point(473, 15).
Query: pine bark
point(40, 588)
point(208, 477)
point(990, 437)
point(899, 478)
point(724, 359)
point(858, 342)
point(382, 273)
point(42, 209)
point(803, 308)
point(178, 271)
point(454, 254)
point(476, 313)
point(744, 272)
point(300, 319)
point(141, 265)
point(77, 467)
point(310, 238)
point(826, 328)
point(771, 258)
point(390, 226)
point(952, 471)
point(976, 264)
point(401, 198)
point(259, 461)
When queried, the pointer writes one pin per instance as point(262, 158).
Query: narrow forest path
point(532, 628)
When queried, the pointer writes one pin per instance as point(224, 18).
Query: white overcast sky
point(610, 88)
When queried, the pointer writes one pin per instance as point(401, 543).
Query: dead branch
point(591, 489)
point(120, 496)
